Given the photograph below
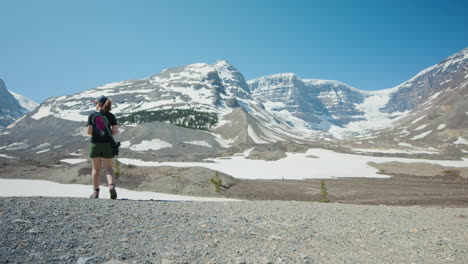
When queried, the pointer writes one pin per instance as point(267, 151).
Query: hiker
point(101, 126)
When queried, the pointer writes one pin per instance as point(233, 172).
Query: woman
point(101, 124)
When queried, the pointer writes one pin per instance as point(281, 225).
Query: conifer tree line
point(187, 118)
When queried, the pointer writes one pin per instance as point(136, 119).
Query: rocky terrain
point(67, 230)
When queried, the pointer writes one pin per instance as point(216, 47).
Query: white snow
point(199, 143)
point(297, 165)
point(441, 126)
point(42, 151)
point(418, 119)
point(274, 106)
point(125, 144)
point(461, 140)
point(403, 144)
point(73, 161)
point(398, 151)
point(43, 111)
point(17, 146)
point(26, 103)
point(43, 145)
point(330, 82)
point(375, 119)
point(6, 156)
point(27, 188)
point(421, 127)
point(153, 144)
point(422, 135)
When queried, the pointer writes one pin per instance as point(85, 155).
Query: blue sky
point(53, 48)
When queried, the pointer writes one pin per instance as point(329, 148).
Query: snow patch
point(42, 112)
point(44, 145)
point(125, 144)
point(422, 135)
point(421, 127)
point(73, 161)
point(441, 126)
point(199, 143)
point(461, 140)
point(403, 144)
point(6, 156)
point(417, 120)
point(153, 144)
point(17, 146)
point(42, 151)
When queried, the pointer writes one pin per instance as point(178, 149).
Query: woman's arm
point(90, 130)
point(115, 130)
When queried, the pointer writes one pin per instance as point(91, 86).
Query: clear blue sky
point(52, 48)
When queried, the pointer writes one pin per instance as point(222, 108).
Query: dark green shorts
point(100, 150)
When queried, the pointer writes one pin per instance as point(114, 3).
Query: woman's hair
point(107, 106)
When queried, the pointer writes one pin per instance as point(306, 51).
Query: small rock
point(34, 231)
point(167, 261)
point(84, 260)
point(20, 221)
point(113, 261)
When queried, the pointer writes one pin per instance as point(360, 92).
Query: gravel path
point(72, 230)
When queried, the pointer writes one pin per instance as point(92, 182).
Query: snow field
point(26, 188)
point(297, 166)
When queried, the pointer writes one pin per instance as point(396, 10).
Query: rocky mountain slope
point(432, 108)
point(320, 103)
point(429, 110)
point(13, 105)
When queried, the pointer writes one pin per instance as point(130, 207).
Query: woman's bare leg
point(96, 172)
point(110, 178)
point(109, 172)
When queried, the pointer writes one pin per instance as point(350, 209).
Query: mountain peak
point(222, 62)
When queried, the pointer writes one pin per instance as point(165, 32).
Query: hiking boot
point(95, 194)
point(113, 192)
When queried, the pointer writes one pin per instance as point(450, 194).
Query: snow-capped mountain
point(269, 109)
point(320, 103)
point(12, 105)
point(347, 112)
point(26, 103)
point(217, 89)
point(435, 102)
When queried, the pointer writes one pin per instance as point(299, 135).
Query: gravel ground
point(72, 230)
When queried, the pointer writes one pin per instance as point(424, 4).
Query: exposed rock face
point(449, 73)
point(340, 100)
point(232, 80)
point(287, 92)
point(314, 101)
point(10, 108)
